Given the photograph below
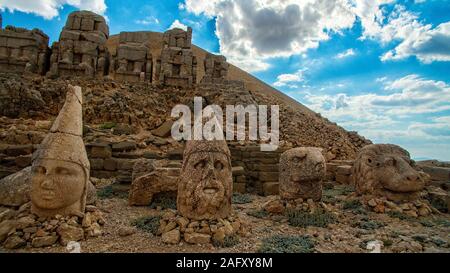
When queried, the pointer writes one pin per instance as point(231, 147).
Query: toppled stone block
point(81, 49)
point(132, 60)
point(216, 68)
point(23, 50)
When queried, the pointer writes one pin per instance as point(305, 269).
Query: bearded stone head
point(206, 184)
point(387, 170)
point(301, 172)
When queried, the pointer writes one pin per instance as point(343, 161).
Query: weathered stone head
point(60, 168)
point(301, 172)
point(387, 170)
point(206, 184)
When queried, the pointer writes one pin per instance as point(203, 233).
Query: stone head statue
point(387, 170)
point(301, 173)
point(60, 168)
point(206, 183)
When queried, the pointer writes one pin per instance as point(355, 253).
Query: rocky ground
point(345, 226)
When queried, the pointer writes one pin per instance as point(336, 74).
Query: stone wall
point(132, 60)
point(339, 171)
point(81, 49)
point(177, 65)
point(23, 50)
point(216, 68)
point(260, 168)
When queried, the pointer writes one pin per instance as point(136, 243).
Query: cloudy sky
point(379, 67)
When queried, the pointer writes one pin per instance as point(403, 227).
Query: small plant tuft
point(148, 223)
point(319, 218)
point(228, 241)
point(258, 213)
point(108, 125)
point(239, 198)
point(164, 201)
point(287, 244)
point(370, 225)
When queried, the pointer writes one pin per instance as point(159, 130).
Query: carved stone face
point(205, 186)
point(388, 170)
point(301, 173)
point(57, 185)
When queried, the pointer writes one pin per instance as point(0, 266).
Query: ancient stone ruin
point(23, 50)
point(387, 170)
point(132, 60)
point(301, 173)
point(206, 183)
point(81, 47)
point(177, 65)
point(60, 169)
point(216, 68)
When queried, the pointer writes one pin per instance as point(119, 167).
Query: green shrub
point(287, 244)
point(400, 215)
point(370, 225)
point(164, 201)
point(239, 198)
point(387, 242)
point(336, 191)
point(109, 192)
point(352, 205)
point(319, 218)
point(148, 223)
point(105, 192)
point(228, 241)
point(258, 213)
point(439, 204)
point(108, 125)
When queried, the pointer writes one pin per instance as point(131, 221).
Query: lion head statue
point(387, 170)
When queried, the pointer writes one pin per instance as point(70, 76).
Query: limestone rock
point(197, 238)
point(171, 237)
point(69, 233)
point(126, 231)
point(44, 241)
point(14, 242)
point(15, 188)
point(7, 227)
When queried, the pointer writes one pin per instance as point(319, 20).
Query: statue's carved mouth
point(48, 194)
point(210, 190)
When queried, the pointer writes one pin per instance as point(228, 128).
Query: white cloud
point(349, 52)
point(427, 44)
point(256, 30)
point(50, 8)
point(149, 20)
point(289, 80)
point(178, 24)
point(393, 117)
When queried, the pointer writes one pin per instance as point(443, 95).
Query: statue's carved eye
point(62, 171)
point(319, 166)
point(201, 164)
point(39, 170)
point(218, 165)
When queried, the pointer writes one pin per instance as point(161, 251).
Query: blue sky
point(379, 67)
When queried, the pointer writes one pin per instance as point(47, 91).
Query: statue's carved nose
point(412, 177)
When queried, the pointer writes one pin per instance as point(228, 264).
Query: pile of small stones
point(412, 209)
point(20, 228)
point(174, 228)
point(276, 205)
